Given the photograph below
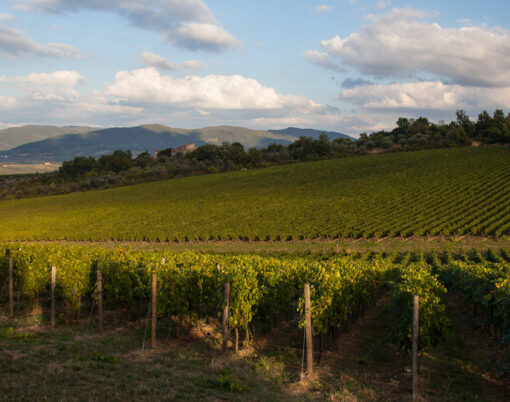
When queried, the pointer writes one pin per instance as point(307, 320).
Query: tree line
point(122, 168)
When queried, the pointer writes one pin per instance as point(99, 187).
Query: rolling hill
point(309, 132)
point(447, 191)
point(15, 136)
point(147, 137)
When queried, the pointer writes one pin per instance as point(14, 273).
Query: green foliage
point(101, 357)
point(231, 381)
point(266, 289)
point(10, 333)
point(416, 279)
point(484, 284)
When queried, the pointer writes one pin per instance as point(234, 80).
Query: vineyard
point(266, 289)
point(463, 191)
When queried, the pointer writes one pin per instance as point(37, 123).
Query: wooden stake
point(154, 310)
point(53, 283)
point(246, 335)
point(11, 290)
point(416, 328)
point(225, 315)
point(237, 340)
point(308, 331)
point(99, 285)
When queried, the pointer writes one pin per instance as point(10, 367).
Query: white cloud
point(323, 8)
point(321, 59)
point(401, 42)
point(202, 36)
point(6, 17)
point(14, 43)
point(7, 102)
point(147, 96)
point(382, 4)
point(55, 86)
point(212, 92)
point(155, 60)
point(427, 96)
point(186, 23)
point(53, 98)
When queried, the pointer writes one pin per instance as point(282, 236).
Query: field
point(463, 191)
point(23, 168)
point(360, 307)
point(367, 233)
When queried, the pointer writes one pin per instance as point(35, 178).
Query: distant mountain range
point(15, 136)
point(48, 143)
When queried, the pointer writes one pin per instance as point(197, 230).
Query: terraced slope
point(450, 191)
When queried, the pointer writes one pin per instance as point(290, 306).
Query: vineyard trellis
point(463, 191)
point(264, 290)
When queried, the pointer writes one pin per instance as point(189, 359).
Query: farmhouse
point(184, 149)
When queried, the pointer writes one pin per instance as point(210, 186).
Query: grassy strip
point(389, 245)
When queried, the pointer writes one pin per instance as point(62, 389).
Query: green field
point(448, 191)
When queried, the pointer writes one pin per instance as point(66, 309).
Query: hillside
point(463, 190)
point(15, 136)
point(309, 132)
point(141, 138)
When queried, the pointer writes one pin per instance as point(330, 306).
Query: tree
point(79, 166)
point(116, 162)
point(143, 160)
point(465, 122)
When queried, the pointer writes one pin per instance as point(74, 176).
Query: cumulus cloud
point(403, 42)
point(186, 23)
point(202, 36)
point(322, 8)
point(209, 93)
point(7, 102)
point(14, 43)
point(428, 95)
point(147, 96)
point(322, 60)
point(54, 98)
point(155, 60)
point(55, 86)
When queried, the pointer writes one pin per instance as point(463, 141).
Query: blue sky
point(344, 65)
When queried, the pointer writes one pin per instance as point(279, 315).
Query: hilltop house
point(183, 149)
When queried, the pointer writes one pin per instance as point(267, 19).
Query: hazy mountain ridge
point(151, 137)
point(309, 132)
point(15, 136)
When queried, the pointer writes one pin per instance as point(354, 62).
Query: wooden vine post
point(236, 330)
point(53, 284)
point(154, 309)
point(11, 290)
point(99, 285)
point(416, 328)
point(308, 331)
point(226, 311)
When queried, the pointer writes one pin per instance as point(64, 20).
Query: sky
point(344, 65)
